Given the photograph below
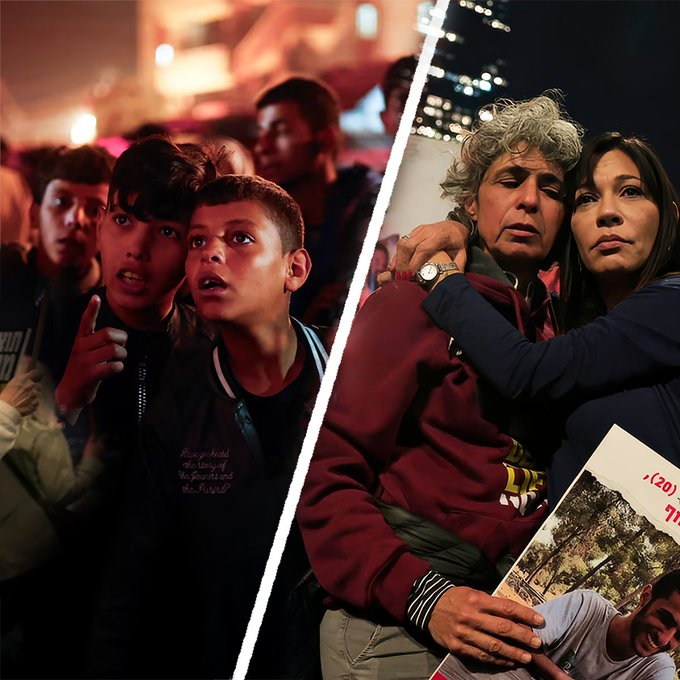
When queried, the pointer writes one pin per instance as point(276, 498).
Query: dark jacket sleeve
point(638, 341)
point(354, 553)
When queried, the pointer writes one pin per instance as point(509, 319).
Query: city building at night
point(200, 48)
point(468, 69)
point(188, 59)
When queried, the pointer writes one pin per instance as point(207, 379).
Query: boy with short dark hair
point(70, 189)
point(38, 476)
point(297, 146)
point(221, 443)
point(112, 368)
point(127, 329)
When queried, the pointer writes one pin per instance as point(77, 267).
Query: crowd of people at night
point(165, 321)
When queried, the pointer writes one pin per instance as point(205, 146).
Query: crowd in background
point(98, 327)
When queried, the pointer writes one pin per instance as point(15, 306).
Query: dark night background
point(616, 62)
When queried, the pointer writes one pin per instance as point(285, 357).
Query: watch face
point(429, 271)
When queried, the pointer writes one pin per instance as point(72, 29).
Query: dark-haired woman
point(620, 362)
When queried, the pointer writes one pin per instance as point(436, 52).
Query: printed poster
point(615, 531)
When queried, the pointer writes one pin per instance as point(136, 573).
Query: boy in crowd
point(126, 330)
point(122, 341)
point(297, 147)
point(221, 443)
point(70, 189)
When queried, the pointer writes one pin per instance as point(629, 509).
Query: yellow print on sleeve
point(525, 484)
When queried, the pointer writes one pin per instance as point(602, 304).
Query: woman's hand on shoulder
point(428, 243)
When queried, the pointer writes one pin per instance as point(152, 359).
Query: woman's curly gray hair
point(537, 123)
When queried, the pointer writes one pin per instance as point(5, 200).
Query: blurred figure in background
point(379, 263)
point(148, 130)
point(15, 203)
point(238, 156)
point(297, 147)
point(228, 150)
point(38, 476)
point(70, 189)
point(395, 87)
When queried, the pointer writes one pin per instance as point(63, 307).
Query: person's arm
point(638, 340)
point(10, 423)
point(356, 556)
point(19, 398)
point(421, 244)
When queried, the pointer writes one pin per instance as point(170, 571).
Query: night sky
point(616, 62)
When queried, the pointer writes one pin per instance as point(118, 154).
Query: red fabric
point(403, 425)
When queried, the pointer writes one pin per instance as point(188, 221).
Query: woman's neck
point(614, 290)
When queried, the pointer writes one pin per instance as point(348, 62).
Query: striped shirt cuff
point(424, 596)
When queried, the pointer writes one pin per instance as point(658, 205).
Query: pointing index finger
point(89, 319)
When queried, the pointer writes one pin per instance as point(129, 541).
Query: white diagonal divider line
point(342, 334)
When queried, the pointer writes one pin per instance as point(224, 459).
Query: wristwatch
point(428, 274)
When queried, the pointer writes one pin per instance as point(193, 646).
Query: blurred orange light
point(84, 130)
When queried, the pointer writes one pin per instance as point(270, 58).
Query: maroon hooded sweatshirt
point(411, 424)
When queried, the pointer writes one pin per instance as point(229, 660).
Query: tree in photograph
point(587, 506)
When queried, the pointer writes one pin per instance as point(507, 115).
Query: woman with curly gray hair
point(512, 134)
point(424, 478)
point(512, 127)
